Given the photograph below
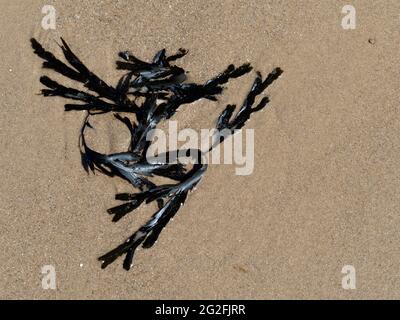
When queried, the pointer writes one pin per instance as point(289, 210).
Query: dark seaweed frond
point(92, 103)
point(230, 73)
point(225, 123)
point(120, 211)
point(173, 171)
point(51, 62)
point(162, 89)
point(159, 219)
point(81, 73)
point(247, 108)
point(90, 80)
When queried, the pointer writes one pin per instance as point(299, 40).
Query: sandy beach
point(325, 188)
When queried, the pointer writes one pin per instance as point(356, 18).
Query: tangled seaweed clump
point(161, 87)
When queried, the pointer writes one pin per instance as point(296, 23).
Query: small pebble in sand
point(371, 40)
point(81, 265)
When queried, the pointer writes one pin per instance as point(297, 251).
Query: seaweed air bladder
point(151, 92)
